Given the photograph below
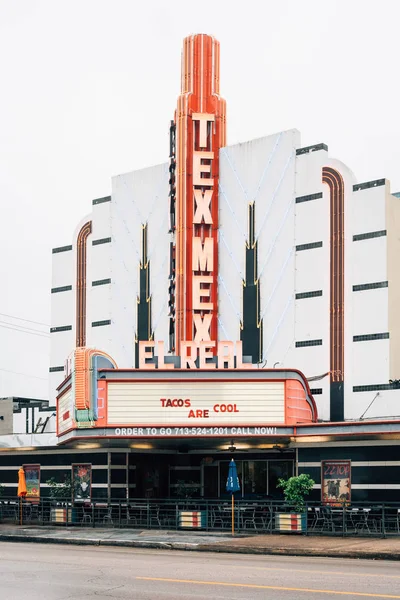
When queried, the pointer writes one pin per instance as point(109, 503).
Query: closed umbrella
point(21, 489)
point(232, 486)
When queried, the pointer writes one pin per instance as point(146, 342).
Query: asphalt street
point(52, 572)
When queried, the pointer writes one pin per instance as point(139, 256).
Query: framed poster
point(32, 477)
point(81, 482)
point(336, 482)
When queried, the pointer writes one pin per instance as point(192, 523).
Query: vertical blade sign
point(200, 133)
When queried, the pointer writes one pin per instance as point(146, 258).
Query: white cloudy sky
point(88, 88)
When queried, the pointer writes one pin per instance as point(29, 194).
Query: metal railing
point(258, 516)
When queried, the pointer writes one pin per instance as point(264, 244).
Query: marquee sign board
point(194, 404)
point(192, 432)
point(65, 412)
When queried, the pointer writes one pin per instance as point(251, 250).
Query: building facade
point(303, 258)
point(235, 298)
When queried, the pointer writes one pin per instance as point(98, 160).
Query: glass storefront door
point(258, 478)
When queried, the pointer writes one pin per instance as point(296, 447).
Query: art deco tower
point(199, 135)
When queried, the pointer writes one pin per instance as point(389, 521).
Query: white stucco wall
point(268, 172)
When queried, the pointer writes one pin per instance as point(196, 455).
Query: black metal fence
point(261, 516)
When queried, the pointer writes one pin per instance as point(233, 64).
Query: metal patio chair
point(318, 520)
point(266, 517)
point(251, 519)
point(155, 516)
point(216, 517)
point(130, 519)
point(364, 523)
point(108, 518)
point(327, 517)
point(392, 521)
point(86, 514)
point(354, 517)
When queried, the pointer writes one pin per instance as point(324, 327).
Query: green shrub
point(60, 490)
point(295, 489)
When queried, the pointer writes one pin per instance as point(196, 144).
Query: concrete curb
point(36, 539)
point(299, 552)
point(217, 547)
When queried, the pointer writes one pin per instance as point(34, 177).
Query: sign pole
point(233, 516)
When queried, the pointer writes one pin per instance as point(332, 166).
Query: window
point(258, 478)
point(101, 323)
point(62, 328)
point(370, 286)
point(64, 288)
point(101, 282)
point(306, 343)
point(379, 387)
point(300, 199)
point(316, 391)
point(308, 246)
point(369, 236)
point(101, 200)
point(61, 249)
point(101, 241)
point(303, 295)
point(308, 149)
point(56, 369)
point(371, 337)
point(368, 184)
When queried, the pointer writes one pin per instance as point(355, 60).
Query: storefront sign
point(65, 412)
point(205, 403)
point(203, 275)
point(81, 483)
point(336, 482)
point(198, 354)
point(148, 432)
point(32, 477)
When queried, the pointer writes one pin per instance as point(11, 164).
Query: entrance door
point(210, 481)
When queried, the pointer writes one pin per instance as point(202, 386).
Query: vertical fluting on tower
point(336, 188)
point(251, 327)
point(81, 284)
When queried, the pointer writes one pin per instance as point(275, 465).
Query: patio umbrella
point(232, 486)
point(21, 490)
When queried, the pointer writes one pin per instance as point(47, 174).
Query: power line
point(40, 334)
point(24, 374)
point(25, 328)
point(26, 320)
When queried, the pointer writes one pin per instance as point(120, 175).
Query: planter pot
point(60, 515)
point(192, 519)
point(291, 522)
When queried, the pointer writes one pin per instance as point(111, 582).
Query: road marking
point(268, 587)
point(319, 572)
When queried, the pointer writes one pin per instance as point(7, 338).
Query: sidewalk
point(289, 544)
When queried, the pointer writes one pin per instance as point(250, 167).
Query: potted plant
point(60, 491)
point(61, 496)
point(189, 518)
point(295, 489)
